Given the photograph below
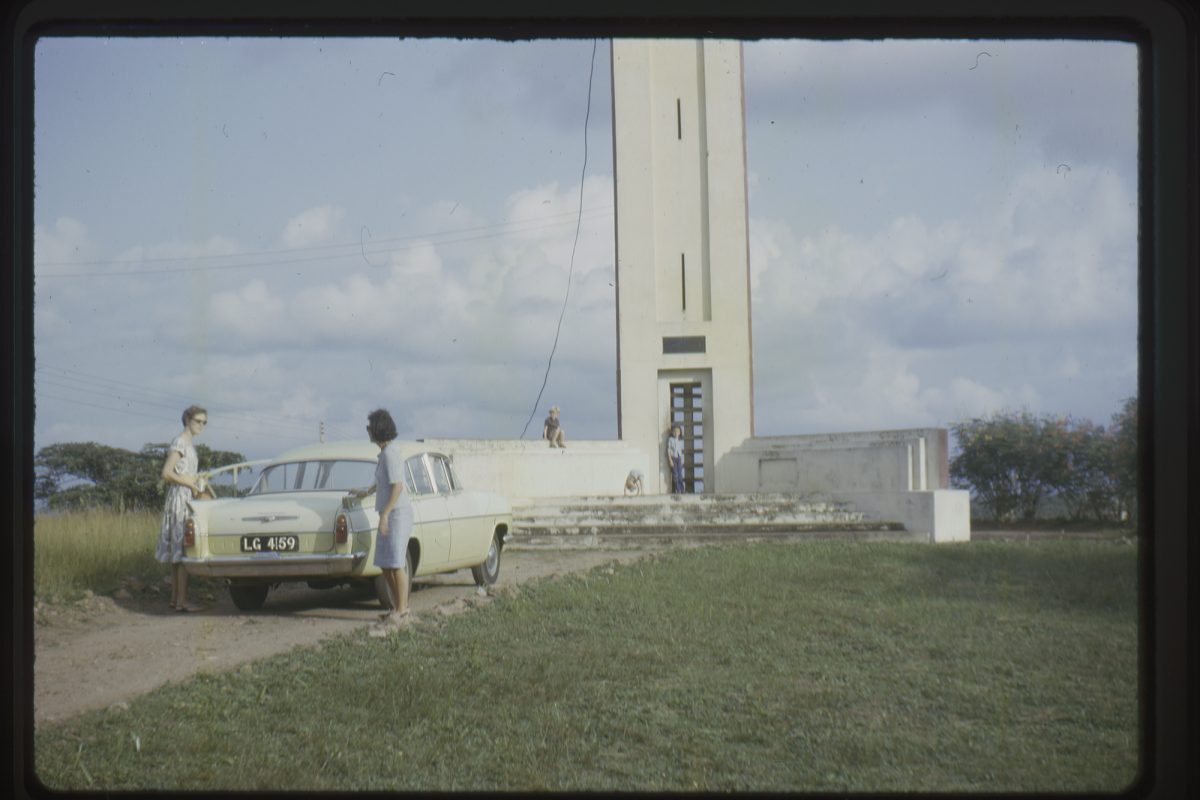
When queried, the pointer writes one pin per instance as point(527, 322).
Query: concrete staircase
point(630, 522)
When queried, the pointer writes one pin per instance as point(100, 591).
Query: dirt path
point(106, 651)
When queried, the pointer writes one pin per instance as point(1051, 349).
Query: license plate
point(270, 544)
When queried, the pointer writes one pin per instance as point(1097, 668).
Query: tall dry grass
point(94, 550)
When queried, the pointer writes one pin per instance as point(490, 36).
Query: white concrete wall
point(900, 476)
point(896, 461)
point(523, 468)
point(945, 514)
point(682, 246)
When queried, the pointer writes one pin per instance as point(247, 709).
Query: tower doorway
point(687, 411)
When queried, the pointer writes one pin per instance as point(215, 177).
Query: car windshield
point(315, 476)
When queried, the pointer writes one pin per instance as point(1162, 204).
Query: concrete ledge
point(944, 514)
point(633, 541)
point(666, 528)
point(522, 468)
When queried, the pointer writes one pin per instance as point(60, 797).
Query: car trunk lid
point(309, 517)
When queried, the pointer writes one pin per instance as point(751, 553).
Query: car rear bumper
point(275, 565)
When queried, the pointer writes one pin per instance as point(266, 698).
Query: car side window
point(442, 473)
point(439, 474)
point(450, 472)
point(419, 477)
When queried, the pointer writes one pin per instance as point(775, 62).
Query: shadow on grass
point(1098, 577)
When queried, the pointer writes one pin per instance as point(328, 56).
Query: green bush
point(1013, 462)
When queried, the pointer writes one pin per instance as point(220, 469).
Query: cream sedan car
point(298, 524)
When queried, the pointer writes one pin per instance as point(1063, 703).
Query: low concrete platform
point(625, 522)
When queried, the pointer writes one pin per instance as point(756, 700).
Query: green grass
point(823, 666)
point(92, 550)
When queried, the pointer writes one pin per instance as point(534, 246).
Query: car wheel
point(384, 592)
point(486, 573)
point(249, 596)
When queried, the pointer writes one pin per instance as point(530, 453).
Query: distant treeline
point(1014, 462)
point(78, 475)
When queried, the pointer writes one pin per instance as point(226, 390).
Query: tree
point(1084, 483)
point(87, 474)
point(206, 457)
point(1125, 459)
point(73, 475)
point(1010, 461)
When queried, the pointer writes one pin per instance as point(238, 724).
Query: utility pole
point(322, 432)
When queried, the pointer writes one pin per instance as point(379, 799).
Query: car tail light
point(189, 533)
point(341, 531)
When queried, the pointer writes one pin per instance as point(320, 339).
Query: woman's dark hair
point(192, 411)
point(380, 426)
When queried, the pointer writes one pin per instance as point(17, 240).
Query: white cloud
point(554, 237)
point(255, 312)
point(915, 325)
point(500, 294)
point(313, 226)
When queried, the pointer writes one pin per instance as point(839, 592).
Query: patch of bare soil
point(105, 651)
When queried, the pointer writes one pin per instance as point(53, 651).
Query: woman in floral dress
point(183, 483)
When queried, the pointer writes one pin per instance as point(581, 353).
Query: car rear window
point(309, 476)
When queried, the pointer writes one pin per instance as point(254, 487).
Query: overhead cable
point(574, 245)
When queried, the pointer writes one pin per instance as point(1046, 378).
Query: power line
point(359, 250)
point(290, 428)
point(571, 268)
point(285, 425)
point(144, 415)
point(505, 224)
point(84, 377)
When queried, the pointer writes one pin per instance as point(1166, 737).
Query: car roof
point(350, 450)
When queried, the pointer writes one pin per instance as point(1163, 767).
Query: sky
point(293, 232)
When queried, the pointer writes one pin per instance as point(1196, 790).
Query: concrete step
point(612, 520)
point(676, 499)
point(682, 510)
point(633, 512)
point(741, 504)
point(582, 520)
point(568, 528)
point(626, 540)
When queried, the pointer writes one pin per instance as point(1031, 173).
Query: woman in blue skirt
point(395, 514)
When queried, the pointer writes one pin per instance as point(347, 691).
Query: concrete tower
point(683, 279)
